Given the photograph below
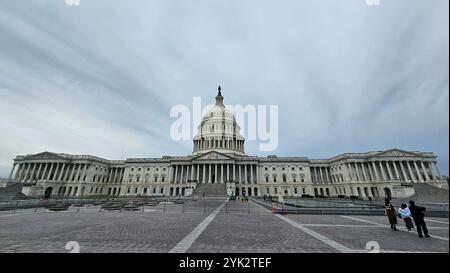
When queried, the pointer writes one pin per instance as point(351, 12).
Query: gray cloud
point(101, 78)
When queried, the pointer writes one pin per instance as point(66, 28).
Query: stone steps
point(10, 191)
point(210, 190)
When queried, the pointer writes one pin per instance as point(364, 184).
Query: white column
point(240, 173)
point(32, 172)
point(251, 173)
point(221, 172)
point(78, 172)
point(257, 173)
point(403, 170)
point(424, 171)
point(380, 163)
point(411, 174)
point(374, 167)
point(396, 170)
point(182, 173)
point(71, 173)
point(418, 172)
point(216, 174)
point(66, 177)
point(50, 171)
point(389, 170)
point(366, 178)
point(38, 176)
point(245, 173)
point(204, 174)
point(84, 171)
point(62, 171)
point(16, 176)
point(431, 170)
point(176, 174)
point(209, 174)
point(197, 169)
point(228, 172)
point(12, 170)
point(114, 175)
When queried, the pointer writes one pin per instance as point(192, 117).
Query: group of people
point(417, 213)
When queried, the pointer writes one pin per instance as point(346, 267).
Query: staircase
point(210, 190)
point(425, 193)
point(10, 191)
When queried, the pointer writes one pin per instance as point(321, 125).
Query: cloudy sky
point(100, 78)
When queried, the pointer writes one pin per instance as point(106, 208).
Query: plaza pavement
point(202, 227)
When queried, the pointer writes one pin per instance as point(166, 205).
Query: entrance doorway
point(48, 192)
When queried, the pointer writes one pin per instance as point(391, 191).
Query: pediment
point(44, 155)
point(396, 153)
point(213, 156)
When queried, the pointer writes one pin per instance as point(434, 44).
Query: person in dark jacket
point(418, 215)
point(391, 213)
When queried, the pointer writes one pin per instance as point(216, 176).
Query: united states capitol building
point(219, 160)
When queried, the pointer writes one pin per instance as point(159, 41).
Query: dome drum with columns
point(219, 131)
point(219, 158)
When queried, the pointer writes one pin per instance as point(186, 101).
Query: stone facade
point(219, 157)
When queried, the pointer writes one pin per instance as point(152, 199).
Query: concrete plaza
point(208, 226)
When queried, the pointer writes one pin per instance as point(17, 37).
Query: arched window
point(284, 177)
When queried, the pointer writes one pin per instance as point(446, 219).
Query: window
point(268, 190)
point(273, 169)
point(284, 177)
point(295, 190)
point(303, 180)
point(301, 169)
point(157, 169)
point(145, 190)
point(154, 190)
point(163, 178)
point(267, 178)
point(132, 169)
point(266, 168)
point(283, 169)
point(162, 190)
point(274, 178)
point(276, 190)
point(148, 169)
point(135, 190)
point(304, 190)
point(293, 168)
point(138, 178)
point(139, 169)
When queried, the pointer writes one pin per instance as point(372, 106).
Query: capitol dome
point(219, 131)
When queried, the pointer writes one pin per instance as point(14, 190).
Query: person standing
point(391, 214)
point(418, 214)
point(405, 214)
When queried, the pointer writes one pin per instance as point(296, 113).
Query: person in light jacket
point(405, 214)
